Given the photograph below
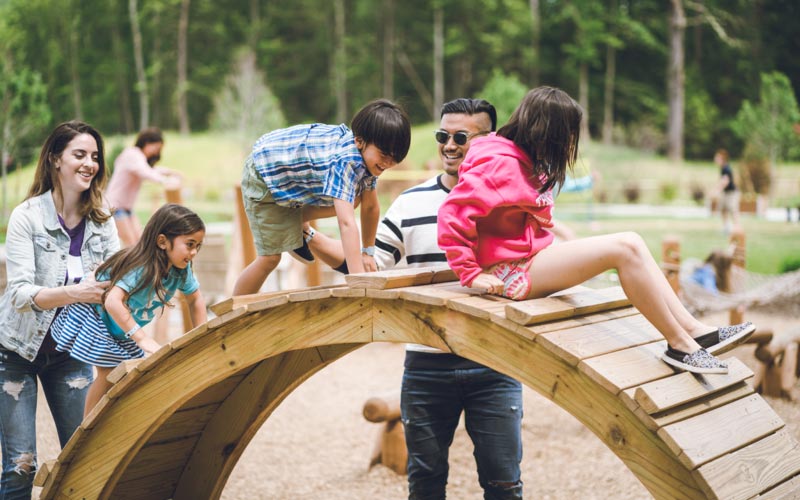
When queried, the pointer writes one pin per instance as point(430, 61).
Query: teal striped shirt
point(311, 165)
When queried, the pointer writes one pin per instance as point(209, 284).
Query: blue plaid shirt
point(311, 165)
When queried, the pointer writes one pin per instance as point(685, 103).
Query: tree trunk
point(610, 82)
point(416, 80)
point(141, 78)
point(583, 97)
point(121, 77)
point(676, 76)
point(340, 61)
point(183, 28)
point(75, 72)
point(388, 49)
point(438, 62)
point(255, 25)
point(536, 41)
point(156, 72)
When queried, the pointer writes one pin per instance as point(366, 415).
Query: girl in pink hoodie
point(494, 225)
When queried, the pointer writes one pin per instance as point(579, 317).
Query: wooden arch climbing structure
point(174, 425)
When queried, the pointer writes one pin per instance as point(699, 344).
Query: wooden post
point(739, 254)
point(671, 261)
point(242, 229)
point(390, 447)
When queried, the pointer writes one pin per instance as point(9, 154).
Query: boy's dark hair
point(723, 153)
point(171, 220)
point(46, 176)
point(147, 136)
point(465, 106)
point(547, 126)
point(386, 125)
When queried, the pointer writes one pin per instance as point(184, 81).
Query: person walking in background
point(494, 226)
point(134, 165)
point(142, 279)
point(437, 386)
point(55, 240)
point(728, 193)
point(307, 172)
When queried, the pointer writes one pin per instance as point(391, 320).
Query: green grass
point(212, 163)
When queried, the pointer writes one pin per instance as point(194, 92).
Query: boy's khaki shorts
point(276, 229)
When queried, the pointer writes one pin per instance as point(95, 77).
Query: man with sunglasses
point(438, 386)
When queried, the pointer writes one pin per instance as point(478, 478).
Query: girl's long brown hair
point(546, 125)
point(46, 176)
point(171, 220)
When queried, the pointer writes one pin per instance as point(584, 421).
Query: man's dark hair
point(466, 106)
point(148, 135)
point(386, 125)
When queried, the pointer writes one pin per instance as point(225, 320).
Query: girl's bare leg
point(99, 387)
point(573, 262)
point(126, 229)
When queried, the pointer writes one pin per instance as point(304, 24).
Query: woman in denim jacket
point(55, 239)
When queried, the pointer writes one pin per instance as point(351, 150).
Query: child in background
point(307, 172)
point(143, 279)
point(494, 226)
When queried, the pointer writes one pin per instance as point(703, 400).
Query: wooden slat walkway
point(175, 424)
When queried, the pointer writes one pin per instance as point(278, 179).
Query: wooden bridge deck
point(175, 424)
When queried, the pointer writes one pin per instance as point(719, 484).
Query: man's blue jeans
point(431, 405)
point(65, 382)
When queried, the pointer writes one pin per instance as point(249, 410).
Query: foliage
point(702, 120)
point(632, 191)
point(246, 107)
point(23, 115)
point(767, 126)
point(668, 191)
point(790, 264)
point(505, 92)
point(754, 172)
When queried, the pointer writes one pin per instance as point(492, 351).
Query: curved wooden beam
point(176, 424)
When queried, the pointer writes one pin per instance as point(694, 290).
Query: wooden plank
point(787, 490)
point(714, 433)
point(216, 393)
point(391, 294)
point(184, 423)
point(682, 412)
point(94, 414)
point(480, 306)
point(232, 303)
point(627, 368)
point(311, 294)
point(437, 294)
point(123, 369)
point(261, 305)
point(443, 274)
point(753, 469)
point(153, 458)
point(586, 341)
point(532, 331)
point(552, 308)
point(349, 292)
point(43, 472)
point(684, 387)
point(395, 278)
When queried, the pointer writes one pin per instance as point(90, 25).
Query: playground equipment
point(740, 289)
point(175, 424)
point(390, 447)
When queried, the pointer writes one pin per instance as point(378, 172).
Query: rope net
point(755, 291)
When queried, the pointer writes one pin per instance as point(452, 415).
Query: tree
point(676, 76)
point(23, 112)
point(183, 28)
point(246, 106)
point(141, 78)
point(767, 126)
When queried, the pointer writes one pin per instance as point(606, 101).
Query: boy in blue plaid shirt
point(308, 172)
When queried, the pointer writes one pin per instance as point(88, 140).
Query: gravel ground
point(317, 445)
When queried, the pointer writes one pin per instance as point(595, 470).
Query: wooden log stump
point(390, 446)
point(778, 373)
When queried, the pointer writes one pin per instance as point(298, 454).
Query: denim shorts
point(276, 229)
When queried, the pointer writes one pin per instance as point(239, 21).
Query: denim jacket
point(36, 257)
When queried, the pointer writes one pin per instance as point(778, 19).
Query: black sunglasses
point(460, 138)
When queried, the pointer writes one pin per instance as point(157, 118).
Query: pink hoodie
point(495, 213)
